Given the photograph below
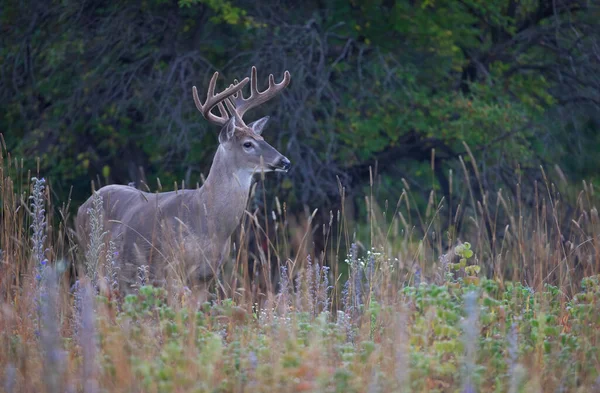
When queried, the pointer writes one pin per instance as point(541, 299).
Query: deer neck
point(225, 194)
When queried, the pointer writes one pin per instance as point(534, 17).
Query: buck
point(187, 232)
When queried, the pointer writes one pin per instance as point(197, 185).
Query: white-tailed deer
point(187, 232)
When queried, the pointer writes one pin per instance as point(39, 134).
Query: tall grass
point(471, 291)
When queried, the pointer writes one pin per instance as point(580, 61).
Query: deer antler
point(213, 100)
point(241, 105)
point(234, 97)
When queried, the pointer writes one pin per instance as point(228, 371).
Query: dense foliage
point(100, 90)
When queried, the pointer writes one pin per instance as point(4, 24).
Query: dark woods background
point(102, 89)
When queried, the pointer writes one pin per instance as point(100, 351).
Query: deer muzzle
point(283, 165)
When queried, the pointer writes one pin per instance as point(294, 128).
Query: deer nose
point(285, 164)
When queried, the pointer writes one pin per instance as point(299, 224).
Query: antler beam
point(242, 105)
point(213, 100)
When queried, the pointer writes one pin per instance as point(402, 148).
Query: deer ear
point(259, 125)
point(227, 131)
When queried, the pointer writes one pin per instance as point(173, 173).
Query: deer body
point(187, 232)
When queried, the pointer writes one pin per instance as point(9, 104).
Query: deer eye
point(248, 145)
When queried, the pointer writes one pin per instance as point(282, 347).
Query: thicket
point(102, 90)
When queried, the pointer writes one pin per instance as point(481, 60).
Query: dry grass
point(514, 310)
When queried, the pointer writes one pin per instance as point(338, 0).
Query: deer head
point(241, 144)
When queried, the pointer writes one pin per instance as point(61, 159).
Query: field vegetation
point(407, 308)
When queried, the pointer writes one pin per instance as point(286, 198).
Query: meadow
point(461, 295)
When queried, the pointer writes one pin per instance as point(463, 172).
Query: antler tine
point(237, 93)
point(222, 110)
point(242, 105)
point(253, 81)
point(213, 100)
point(233, 110)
